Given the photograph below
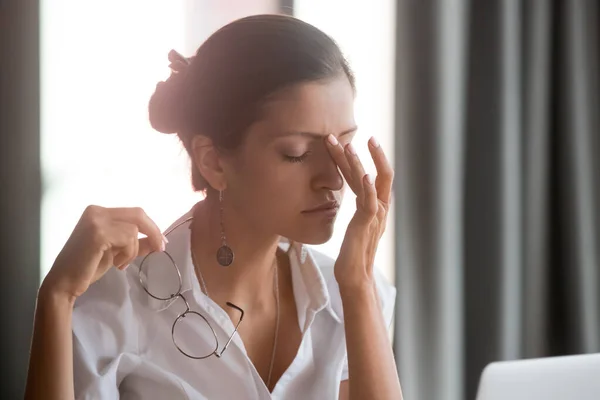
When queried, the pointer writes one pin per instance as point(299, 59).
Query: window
point(100, 63)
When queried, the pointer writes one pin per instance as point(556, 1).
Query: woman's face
point(283, 169)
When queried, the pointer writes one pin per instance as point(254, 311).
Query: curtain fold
point(496, 187)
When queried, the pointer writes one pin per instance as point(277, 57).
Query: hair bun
point(165, 104)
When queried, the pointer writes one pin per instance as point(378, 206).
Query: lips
point(330, 206)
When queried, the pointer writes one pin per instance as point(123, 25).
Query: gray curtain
point(497, 187)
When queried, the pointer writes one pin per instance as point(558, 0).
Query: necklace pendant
point(225, 256)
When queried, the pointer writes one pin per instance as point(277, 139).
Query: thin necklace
point(276, 284)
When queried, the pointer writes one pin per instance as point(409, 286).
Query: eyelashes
point(303, 157)
point(294, 159)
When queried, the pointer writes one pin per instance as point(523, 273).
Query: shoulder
point(386, 291)
point(108, 313)
point(109, 328)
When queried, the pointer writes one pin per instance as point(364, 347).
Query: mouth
point(329, 208)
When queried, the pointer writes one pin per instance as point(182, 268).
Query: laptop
point(554, 378)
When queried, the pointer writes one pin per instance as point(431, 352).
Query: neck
point(248, 282)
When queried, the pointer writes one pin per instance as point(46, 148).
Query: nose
point(327, 175)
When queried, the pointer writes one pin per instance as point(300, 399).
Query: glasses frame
point(188, 311)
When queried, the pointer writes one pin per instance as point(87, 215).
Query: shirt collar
point(310, 287)
point(311, 291)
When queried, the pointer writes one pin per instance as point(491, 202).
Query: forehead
point(322, 106)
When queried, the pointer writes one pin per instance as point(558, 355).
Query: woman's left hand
point(354, 265)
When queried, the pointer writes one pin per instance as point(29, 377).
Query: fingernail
point(332, 140)
point(165, 239)
point(163, 246)
point(374, 142)
point(351, 149)
point(370, 179)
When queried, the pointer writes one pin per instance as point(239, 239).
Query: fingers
point(135, 248)
point(122, 237)
point(126, 254)
point(145, 225)
point(339, 157)
point(370, 205)
point(368, 194)
point(116, 230)
point(357, 170)
point(385, 172)
point(118, 234)
point(144, 247)
point(349, 164)
point(358, 173)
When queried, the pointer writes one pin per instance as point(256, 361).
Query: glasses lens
point(160, 276)
point(194, 336)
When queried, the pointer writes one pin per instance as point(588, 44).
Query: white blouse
point(123, 347)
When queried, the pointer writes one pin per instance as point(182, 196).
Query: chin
point(313, 236)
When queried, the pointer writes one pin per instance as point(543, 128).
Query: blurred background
point(488, 109)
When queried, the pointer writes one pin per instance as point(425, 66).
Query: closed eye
point(296, 159)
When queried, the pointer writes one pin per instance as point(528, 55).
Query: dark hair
point(221, 92)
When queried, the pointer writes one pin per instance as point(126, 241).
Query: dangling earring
point(224, 254)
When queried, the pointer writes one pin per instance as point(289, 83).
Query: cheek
point(271, 188)
point(287, 186)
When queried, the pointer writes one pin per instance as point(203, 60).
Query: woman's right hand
point(103, 237)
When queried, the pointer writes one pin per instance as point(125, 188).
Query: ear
point(208, 161)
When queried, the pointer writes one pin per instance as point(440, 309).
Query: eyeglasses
point(188, 312)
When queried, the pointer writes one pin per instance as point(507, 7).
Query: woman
point(229, 303)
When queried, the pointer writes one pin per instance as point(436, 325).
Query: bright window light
point(100, 62)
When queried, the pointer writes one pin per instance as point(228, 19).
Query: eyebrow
point(315, 135)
